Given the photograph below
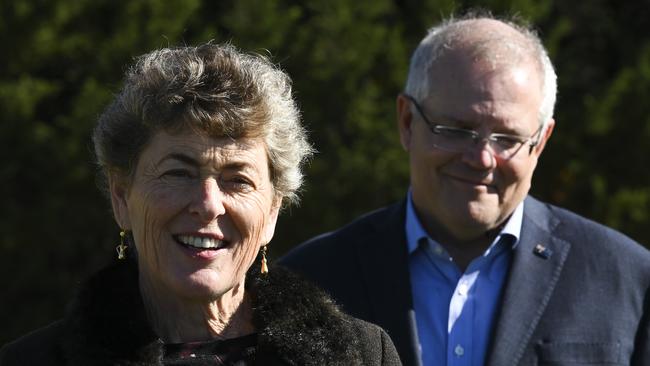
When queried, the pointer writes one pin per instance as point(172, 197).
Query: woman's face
point(199, 208)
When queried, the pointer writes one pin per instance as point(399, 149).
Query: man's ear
point(404, 119)
point(546, 134)
point(118, 186)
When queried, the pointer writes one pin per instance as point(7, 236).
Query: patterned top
point(226, 352)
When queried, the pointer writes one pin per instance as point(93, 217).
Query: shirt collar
point(415, 231)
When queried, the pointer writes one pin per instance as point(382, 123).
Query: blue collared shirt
point(455, 311)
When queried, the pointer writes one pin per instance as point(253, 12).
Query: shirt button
point(438, 250)
point(459, 350)
point(462, 289)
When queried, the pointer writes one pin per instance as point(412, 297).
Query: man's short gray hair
point(442, 38)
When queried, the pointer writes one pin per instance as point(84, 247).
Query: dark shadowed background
point(62, 60)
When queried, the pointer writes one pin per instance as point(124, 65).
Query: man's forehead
point(460, 68)
point(474, 90)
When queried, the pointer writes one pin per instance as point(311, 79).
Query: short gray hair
point(212, 89)
point(442, 38)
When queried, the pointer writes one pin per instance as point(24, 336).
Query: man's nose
point(480, 155)
point(208, 203)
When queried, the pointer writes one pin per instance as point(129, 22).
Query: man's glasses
point(454, 139)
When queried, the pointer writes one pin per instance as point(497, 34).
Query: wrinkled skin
point(192, 185)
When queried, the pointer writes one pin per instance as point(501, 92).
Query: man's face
point(467, 193)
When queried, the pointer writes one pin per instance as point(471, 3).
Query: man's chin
point(479, 217)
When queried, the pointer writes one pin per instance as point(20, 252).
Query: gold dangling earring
point(265, 268)
point(121, 249)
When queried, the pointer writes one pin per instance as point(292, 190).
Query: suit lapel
point(535, 269)
point(383, 260)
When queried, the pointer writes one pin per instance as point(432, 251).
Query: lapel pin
point(542, 251)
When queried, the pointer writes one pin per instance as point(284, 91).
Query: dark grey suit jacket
point(587, 303)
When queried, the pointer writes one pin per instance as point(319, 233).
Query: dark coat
point(297, 325)
point(583, 299)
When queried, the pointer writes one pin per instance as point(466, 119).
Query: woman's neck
point(178, 320)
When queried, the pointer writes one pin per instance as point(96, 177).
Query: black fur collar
point(297, 323)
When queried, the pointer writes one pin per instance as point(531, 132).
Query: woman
point(199, 150)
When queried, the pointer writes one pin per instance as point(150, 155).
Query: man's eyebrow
point(471, 125)
point(443, 118)
point(455, 122)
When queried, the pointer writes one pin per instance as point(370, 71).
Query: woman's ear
point(118, 187)
point(272, 220)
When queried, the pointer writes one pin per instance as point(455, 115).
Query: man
point(468, 269)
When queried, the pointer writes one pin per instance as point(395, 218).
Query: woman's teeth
point(200, 242)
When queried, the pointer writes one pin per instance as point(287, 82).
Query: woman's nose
point(208, 204)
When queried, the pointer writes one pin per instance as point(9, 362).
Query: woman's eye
point(239, 183)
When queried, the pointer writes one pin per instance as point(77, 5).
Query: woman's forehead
point(203, 149)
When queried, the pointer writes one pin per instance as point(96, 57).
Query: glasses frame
point(476, 137)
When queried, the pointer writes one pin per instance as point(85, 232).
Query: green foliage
point(597, 161)
point(63, 61)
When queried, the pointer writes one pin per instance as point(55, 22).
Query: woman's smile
point(201, 247)
point(200, 242)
